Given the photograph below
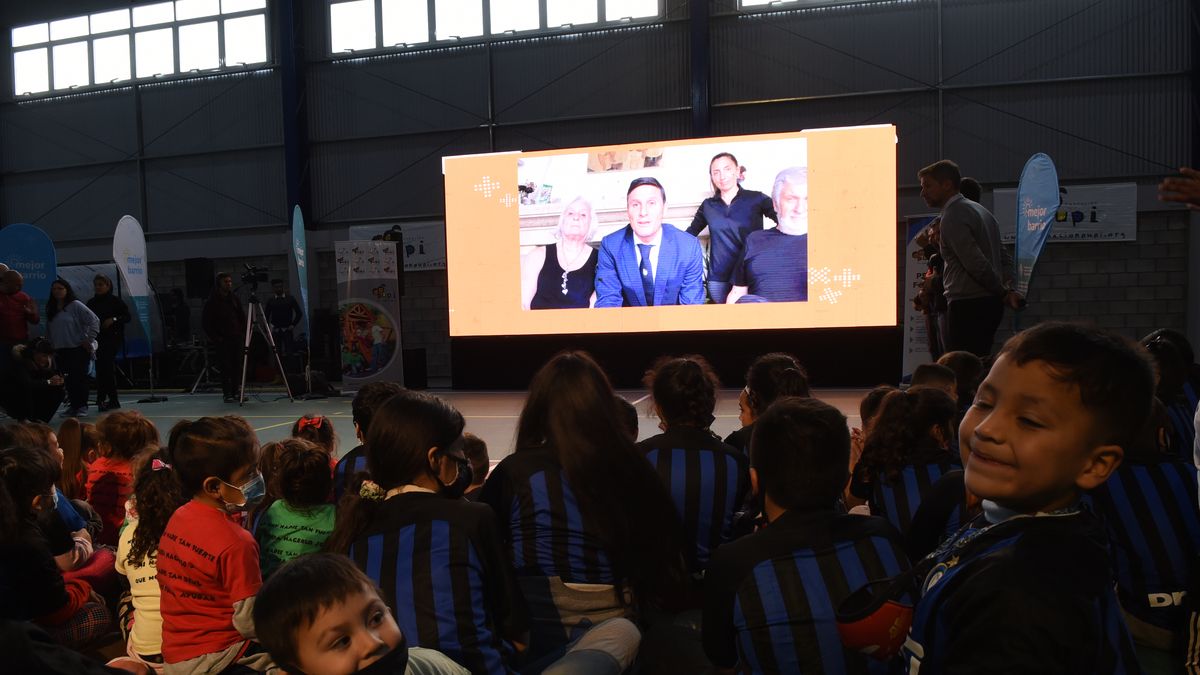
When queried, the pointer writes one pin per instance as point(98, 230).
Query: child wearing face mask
point(31, 584)
point(208, 568)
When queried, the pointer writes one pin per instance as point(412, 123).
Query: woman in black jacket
point(113, 314)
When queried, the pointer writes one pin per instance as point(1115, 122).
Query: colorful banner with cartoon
point(368, 312)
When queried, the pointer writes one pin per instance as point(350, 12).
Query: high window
point(146, 41)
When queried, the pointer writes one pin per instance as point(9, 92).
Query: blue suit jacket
point(678, 279)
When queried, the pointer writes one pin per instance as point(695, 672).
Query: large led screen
point(791, 230)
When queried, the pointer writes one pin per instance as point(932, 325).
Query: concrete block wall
point(1130, 287)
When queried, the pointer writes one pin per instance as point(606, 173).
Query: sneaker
point(103, 406)
point(76, 412)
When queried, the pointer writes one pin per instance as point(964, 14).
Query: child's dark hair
point(800, 449)
point(903, 425)
point(74, 471)
point(302, 477)
point(177, 431)
point(369, 397)
point(476, 452)
point(685, 390)
point(627, 415)
point(158, 495)
point(125, 433)
point(25, 473)
point(291, 598)
point(968, 371)
point(773, 376)
point(936, 263)
point(403, 430)
point(1115, 377)
point(317, 429)
point(33, 435)
point(934, 375)
point(869, 406)
point(212, 446)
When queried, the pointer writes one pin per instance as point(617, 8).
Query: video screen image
point(789, 230)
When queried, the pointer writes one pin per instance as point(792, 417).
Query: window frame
point(132, 31)
point(488, 35)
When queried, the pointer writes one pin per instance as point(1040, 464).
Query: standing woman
point(113, 314)
point(563, 275)
point(731, 214)
point(72, 330)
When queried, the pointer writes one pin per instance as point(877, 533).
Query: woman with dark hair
point(771, 376)
point(708, 480)
point(908, 448)
point(591, 532)
point(113, 314)
point(731, 214)
point(72, 329)
point(437, 560)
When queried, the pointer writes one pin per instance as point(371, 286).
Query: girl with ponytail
point(771, 376)
point(708, 480)
point(907, 449)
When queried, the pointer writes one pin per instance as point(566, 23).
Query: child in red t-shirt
point(207, 564)
point(123, 435)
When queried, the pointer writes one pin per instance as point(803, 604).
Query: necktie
point(647, 274)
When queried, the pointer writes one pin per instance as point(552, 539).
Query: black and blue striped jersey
point(770, 598)
point(708, 481)
point(350, 465)
point(441, 568)
point(1033, 594)
point(540, 521)
point(1150, 510)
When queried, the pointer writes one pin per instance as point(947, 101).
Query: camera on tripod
point(253, 275)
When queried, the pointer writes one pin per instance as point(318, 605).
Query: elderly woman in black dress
point(563, 275)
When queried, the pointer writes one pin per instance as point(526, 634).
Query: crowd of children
point(1034, 514)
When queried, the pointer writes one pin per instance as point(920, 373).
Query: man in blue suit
point(649, 263)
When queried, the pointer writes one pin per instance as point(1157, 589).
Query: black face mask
point(394, 662)
point(459, 487)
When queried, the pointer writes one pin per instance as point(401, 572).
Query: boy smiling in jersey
point(1027, 587)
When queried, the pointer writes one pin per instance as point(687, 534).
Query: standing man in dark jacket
point(283, 313)
point(113, 314)
point(225, 323)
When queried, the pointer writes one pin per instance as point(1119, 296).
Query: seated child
point(769, 597)
point(31, 584)
point(768, 378)
point(158, 494)
point(1028, 586)
point(936, 376)
point(907, 451)
point(301, 519)
point(320, 615)
point(708, 480)
point(369, 397)
point(207, 564)
point(476, 452)
point(123, 434)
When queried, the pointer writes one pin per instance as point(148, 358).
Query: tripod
point(256, 317)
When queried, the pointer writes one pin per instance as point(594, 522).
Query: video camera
point(253, 275)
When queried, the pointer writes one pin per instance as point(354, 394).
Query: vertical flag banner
point(916, 333)
point(129, 252)
point(369, 312)
point(1037, 200)
point(300, 251)
point(28, 250)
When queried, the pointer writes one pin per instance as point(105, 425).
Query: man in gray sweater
point(978, 274)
